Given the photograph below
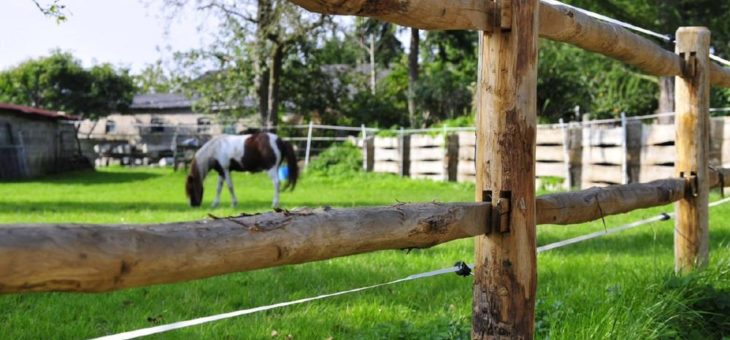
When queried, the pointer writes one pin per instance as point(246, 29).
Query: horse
point(255, 152)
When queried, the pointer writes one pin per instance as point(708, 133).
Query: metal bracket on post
point(499, 217)
point(692, 182)
point(689, 65)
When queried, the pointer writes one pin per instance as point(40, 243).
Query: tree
point(378, 39)
point(413, 52)
point(258, 41)
point(59, 82)
point(665, 16)
point(155, 79)
point(54, 9)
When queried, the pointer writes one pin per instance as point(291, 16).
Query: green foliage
point(55, 9)
point(387, 46)
point(445, 91)
point(570, 77)
point(337, 160)
point(155, 79)
point(59, 82)
point(461, 121)
point(700, 307)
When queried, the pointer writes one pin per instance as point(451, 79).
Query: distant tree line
point(357, 72)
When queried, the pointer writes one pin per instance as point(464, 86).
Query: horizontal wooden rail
point(557, 22)
point(99, 257)
point(423, 14)
point(719, 76)
point(564, 24)
point(595, 203)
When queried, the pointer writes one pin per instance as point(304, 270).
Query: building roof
point(36, 112)
point(160, 101)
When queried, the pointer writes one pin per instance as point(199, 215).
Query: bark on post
point(505, 275)
point(692, 93)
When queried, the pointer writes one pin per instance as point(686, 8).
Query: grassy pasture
point(619, 286)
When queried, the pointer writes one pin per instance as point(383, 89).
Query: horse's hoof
point(214, 205)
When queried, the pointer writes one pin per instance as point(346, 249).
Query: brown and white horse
point(253, 153)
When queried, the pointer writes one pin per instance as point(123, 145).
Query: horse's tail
point(287, 151)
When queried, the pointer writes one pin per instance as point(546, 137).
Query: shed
point(36, 142)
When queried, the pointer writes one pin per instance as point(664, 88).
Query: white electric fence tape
point(182, 324)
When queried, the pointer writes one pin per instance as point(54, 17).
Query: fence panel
point(428, 157)
point(601, 167)
point(387, 157)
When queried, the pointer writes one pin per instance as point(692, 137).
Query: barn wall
point(50, 145)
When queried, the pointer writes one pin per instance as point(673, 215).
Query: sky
point(125, 33)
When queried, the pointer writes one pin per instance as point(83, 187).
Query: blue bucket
point(283, 173)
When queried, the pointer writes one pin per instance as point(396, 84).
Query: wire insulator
point(464, 269)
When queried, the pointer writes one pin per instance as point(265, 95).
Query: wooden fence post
point(505, 274)
point(404, 150)
point(692, 104)
point(566, 155)
point(368, 150)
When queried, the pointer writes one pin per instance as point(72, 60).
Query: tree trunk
point(413, 76)
point(372, 63)
point(262, 84)
point(272, 117)
point(260, 56)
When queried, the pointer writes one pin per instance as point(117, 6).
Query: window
point(203, 125)
point(110, 126)
point(157, 125)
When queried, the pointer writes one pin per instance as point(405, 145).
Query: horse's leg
point(218, 189)
point(234, 200)
point(274, 175)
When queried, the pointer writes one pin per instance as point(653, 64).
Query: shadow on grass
point(91, 177)
point(248, 206)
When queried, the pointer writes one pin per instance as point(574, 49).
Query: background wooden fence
point(584, 155)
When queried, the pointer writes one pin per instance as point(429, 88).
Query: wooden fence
point(584, 155)
point(98, 258)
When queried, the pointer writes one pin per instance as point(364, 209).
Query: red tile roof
point(35, 112)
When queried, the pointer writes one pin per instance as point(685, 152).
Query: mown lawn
point(620, 286)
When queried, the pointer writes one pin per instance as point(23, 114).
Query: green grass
point(619, 286)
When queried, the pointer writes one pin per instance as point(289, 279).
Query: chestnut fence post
point(505, 276)
point(692, 104)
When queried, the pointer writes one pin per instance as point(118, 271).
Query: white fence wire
point(183, 324)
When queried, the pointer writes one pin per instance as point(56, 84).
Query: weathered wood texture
point(561, 23)
point(594, 203)
point(720, 76)
point(692, 104)
point(95, 258)
point(423, 14)
point(505, 276)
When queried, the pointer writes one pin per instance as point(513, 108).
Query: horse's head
point(194, 186)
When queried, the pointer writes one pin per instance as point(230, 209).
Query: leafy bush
point(337, 160)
